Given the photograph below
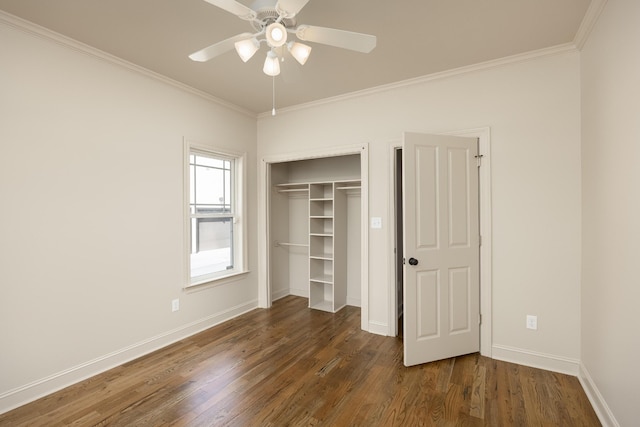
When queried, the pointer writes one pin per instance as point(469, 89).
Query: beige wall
point(91, 223)
point(532, 109)
point(611, 210)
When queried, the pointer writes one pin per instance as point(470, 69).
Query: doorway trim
point(484, 179)
point(264, 209)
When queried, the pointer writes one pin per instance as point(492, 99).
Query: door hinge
point(479, 319)
point(480, 240)
point(404, 260)
point(479, 159)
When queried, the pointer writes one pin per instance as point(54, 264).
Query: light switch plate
point(376, 222)
point(532, 322)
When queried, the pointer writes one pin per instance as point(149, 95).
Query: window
point(216, 246)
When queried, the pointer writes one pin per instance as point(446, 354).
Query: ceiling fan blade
point(339, 38)
point(219, 48)
point(234, 7)
point(290, 8)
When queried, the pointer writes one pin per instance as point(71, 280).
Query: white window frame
point(238, 209)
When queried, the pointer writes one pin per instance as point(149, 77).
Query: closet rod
point(291, 244)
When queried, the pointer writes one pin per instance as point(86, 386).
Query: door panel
point(441, 232)
point(458, 181)
point(459, 300)
point(426, 193)
point(428, 289)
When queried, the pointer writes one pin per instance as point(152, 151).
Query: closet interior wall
point(290, 217)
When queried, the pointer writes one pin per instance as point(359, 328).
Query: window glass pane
point(227, 190)
point(192, 188)
point(211, 245)
point(209, 186)
point(208, 161)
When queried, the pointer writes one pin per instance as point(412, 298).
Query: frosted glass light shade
point(299, 51)
point(276, 34)
point(247, 48)
point(271, 64)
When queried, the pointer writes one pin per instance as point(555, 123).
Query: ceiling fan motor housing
point(267, 16)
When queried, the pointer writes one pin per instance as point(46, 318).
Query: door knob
point(413, 261)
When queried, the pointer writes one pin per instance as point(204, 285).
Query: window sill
point(215, 281)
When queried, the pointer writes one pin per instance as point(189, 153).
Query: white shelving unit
point(321, 247)
point(328, 244)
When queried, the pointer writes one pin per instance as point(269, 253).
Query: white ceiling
point(415, 38)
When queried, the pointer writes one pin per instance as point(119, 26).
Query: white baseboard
point(597, 401)
point(29, 392)
point(299, 292)
point(276, 295)
point(354, 302)
point(549, 362)
point(378, 328)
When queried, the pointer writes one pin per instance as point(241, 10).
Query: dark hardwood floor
point(292, 366)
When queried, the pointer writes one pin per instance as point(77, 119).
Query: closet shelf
point(327, 278)
point(293, 184)
point(298, 188)
point(322, 216)
point(293, 190)
point(321, 234)
point(323, 258)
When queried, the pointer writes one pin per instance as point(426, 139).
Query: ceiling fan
point(272, 23)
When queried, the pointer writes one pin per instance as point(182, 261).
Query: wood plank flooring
point(292, 366)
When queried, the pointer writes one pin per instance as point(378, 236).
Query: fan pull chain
point(273, 96)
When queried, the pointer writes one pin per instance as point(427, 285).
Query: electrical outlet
point(532, 322)
point(175, 305)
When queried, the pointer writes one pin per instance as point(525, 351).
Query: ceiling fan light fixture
point(271, 64)
point(299, 51)
point(247, 48)
point(276, 34)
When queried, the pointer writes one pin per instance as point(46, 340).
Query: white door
point(441, 247)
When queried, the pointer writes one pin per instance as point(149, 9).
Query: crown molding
point(588, 22)
point(487, 65)
point(49, 35)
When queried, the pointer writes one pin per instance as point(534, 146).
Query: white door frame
point(484, 177)
point(264, 233)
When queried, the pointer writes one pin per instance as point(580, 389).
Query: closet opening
point(315, 231)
